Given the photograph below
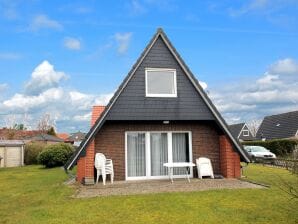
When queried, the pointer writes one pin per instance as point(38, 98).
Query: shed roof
point(11, 143)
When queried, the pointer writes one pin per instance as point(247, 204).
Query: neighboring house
point(76, 138)
point(45, 138)
point(279, 126)
point(241, 132)
point(13, 134)
point(11, 153)
point(159, 114)
point(63, 136)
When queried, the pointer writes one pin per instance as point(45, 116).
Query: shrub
point(31, 152)
point(55, 155)
point(280, 147)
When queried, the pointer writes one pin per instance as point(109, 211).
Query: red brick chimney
point(85, 165)
point(96, 112)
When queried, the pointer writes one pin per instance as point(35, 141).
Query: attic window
point(160, 82)
point(245, 133)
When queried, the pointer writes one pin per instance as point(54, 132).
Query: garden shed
point(11, 153)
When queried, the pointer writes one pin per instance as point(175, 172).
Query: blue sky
point(61, 57)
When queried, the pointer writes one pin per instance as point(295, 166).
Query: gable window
point(245, 133)
point(160, 82)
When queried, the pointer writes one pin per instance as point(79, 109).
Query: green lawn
point(35, 195)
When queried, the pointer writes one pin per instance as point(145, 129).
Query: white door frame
point(148, 154)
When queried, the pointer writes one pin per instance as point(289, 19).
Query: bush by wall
point(55, 155)
point(31, 152)
point(280, 147)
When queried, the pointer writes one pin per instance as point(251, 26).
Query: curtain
point(159, 153)
point(180, 150)
point(136, 155)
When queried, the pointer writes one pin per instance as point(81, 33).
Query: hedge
point(32, 150)
point(55, 155)
point(280, 147)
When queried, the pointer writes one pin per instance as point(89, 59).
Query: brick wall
point(229, 159)
point(110, 140)
point(85, 165)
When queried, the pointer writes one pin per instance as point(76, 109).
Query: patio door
point(159, 153)
point(146, 153)
point(136, 155)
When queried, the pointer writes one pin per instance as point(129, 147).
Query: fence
point(289, 164)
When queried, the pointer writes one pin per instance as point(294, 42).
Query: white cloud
point(136, 7)
point(84, 117)
point(43, 77)
point(10, 56)
point(286, 66)
point(3, 87)
point(70, 109)
point(123, 41)
point(250, 6)
point(72, 43)
point(273, 92)
point(267, 79)
point(27, 102)
point(43, 22)
point(203, 85)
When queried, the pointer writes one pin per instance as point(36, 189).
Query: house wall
point(111, 141)
point(132, 104)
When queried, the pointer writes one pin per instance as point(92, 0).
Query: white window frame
point(245, 133)
point(148, 154)
point(160, 70)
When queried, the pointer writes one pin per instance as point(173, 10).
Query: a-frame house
point(159, 114)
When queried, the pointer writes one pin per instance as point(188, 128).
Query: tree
point(51, 131)
point(19, 127)
point(46, 125)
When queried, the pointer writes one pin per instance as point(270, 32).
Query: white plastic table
point(171, 166)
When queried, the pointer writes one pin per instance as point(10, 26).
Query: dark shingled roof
point(279, 126)
point(46, 137)
point(236, 128)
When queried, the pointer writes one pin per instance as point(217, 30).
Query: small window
point(161, 83)
point(245, 133)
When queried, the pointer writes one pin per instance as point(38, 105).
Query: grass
point(35, 195)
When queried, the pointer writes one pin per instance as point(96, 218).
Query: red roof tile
point(63, 136)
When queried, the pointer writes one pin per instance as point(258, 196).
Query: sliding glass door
point(146, 153)
point(159, 153)
point(180, 150)
point(136, 155)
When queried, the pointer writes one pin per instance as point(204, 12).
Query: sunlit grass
point(35, 195)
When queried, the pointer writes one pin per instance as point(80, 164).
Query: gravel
point(160, 186)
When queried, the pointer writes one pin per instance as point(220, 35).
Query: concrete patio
point(160, 186)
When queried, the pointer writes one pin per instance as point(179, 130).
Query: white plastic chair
point(204, 167)
point(103, 167)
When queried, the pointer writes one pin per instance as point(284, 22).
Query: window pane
point(180, 150)
point(136, 155)
point(160, 82)
point(159, 153)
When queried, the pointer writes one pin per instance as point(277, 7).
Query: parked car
point(259, 153)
